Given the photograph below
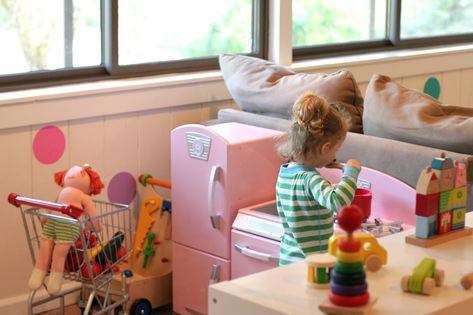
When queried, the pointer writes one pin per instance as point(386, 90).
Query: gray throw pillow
point(262, 87)
point(396, 112)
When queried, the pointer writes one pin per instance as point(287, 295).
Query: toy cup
point(363, 200)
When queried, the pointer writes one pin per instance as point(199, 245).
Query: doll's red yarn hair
point(96, 184)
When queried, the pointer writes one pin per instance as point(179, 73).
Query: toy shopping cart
point(94, 257)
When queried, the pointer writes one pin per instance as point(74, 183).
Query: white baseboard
point(18, 304)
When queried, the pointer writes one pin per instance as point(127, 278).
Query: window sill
point(85, 100)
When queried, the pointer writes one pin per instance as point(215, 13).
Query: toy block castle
point(441, 203)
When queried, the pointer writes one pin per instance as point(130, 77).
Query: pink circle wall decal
point(122, 188)
point(49, 144)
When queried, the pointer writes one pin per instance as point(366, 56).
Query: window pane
point(332, 22)
point(427, 18)
point(163, 30)
point(35, 34)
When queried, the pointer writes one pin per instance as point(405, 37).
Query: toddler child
point(305, 200)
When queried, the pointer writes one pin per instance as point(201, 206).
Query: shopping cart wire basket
point(105, 241)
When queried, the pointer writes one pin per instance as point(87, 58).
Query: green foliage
point(322, 24)
point(230, 35)
point(437, 17)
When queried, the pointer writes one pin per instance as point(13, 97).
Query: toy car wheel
point(405, 283)
point(428, 286)
point(141, 307)
point(439, 276)
point(373, 263)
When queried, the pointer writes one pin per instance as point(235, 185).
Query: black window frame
point(109, 69)
point(393, 40)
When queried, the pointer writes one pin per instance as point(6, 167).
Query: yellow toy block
point(458, 197)
point(458, 218)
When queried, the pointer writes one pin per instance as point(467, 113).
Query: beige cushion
point(396, 112)
point(262, 87)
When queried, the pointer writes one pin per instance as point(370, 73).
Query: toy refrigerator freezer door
point(198, 165)
point(193, 271)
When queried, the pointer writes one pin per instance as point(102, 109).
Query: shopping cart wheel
point(141, 307)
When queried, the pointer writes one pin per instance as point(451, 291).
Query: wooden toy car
point(374, 254)
point(424, 278)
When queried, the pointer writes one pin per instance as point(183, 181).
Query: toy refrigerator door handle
point(214, 217)
point(245, 250)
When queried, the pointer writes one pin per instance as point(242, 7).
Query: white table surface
point(283, 290)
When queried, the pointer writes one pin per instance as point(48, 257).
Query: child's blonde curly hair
point(314, 121)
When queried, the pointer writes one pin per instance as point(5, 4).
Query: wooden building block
point(428, 182)
point(445, 201)
point(427, 205)
point(458, 218)
point(442, 162)
point(460, 174)
point(439, 239)
point(426, 226)
point(444, 222)
point(446, 178)
point(458, 197)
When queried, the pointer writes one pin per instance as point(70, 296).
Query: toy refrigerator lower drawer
point(193, 271)
point(251, 254)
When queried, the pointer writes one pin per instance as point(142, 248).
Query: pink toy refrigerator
point(215, 171)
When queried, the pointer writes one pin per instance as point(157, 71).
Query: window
point(183, 29)
point(328, 22)
point(345, 26)
point(51, 41)
point(49, 35)
point(422, 18)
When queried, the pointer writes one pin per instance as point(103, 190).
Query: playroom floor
point(75, 310)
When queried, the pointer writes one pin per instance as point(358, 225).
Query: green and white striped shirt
point(306, 203)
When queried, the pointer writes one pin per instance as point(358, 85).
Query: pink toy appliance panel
point(392, 199)
point(215, 171)
point(256, 236)
point(193, 271)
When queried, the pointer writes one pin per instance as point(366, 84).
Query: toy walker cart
point(92, 260)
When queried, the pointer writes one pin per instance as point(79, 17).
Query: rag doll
point(79, 183)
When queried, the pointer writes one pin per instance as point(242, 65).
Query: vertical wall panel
point(121, 145)
point(450, 88)
point(86, 145)
point(466, 89)
point(42, 178)
point(15, 172)
point(154, 146)
point(210, 110)
point(417, 82)
point(191, 114)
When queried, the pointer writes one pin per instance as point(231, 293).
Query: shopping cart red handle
point(70, 210)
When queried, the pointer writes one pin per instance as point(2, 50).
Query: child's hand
point(354, 163)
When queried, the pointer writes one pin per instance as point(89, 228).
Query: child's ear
point(325, 147)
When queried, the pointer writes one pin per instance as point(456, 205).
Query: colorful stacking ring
point(344, 279)
point(350, 290)
point(349, 269)
point(349, 301)
point(349, 245)
point(347, 257)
